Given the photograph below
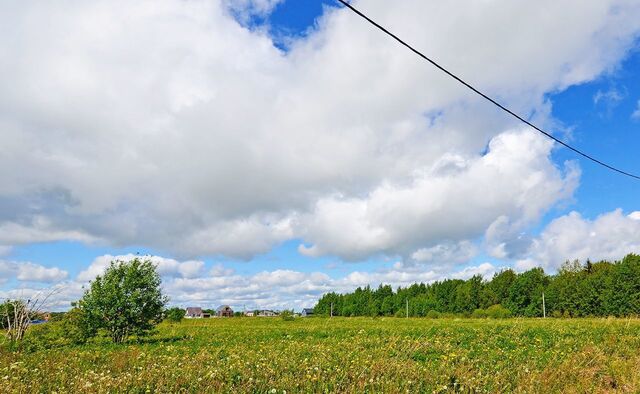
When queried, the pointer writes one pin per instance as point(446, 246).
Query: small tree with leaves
point(127, 300)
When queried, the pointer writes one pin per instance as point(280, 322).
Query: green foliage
point(577, 290)
point(76, 327)
point(497, 312)
point(433, 314)
point(68, 329)
point(6, 310)
point(287, 315)
point(479, 314)
point(174, 314)
point(126, 300)
point(360, 355)
point(44, 336)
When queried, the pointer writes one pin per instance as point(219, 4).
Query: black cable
point(494, 102)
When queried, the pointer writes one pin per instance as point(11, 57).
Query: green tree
point(497, 290)
point(126, 300)
point(174, 314)
point(624, 294)
point(525, 294)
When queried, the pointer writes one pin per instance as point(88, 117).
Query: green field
point(344, 355)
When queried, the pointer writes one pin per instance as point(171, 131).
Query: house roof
point(223, 308)
point(194, 310)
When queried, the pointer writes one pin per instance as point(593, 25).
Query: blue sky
point(280, 149)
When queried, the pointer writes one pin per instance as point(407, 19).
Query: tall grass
point(344, 355)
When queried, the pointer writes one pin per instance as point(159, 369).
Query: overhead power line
point(485, 96)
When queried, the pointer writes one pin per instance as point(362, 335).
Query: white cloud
point(515, 179)
point(245, 9)
point(636, 113)
point(610, 97)
point(40, 229)
point(460, 252)
point(610, 236)
point(267, 289)
point(165, 266)
point(288, 288)
point(178, 129)
point(30, 272)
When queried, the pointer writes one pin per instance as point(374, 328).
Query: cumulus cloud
point(180, 129)
point(220, 285)
point(295, 289)
point(514, 178)
point(166, 267)
point(460, 252)
point(610, 236)
point(30, 272)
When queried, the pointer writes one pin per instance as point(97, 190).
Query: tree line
point(578, 290)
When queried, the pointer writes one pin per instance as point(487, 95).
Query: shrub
point(479, 314)
point(75, 327)
point(44, 336)
point(174, 315)
point(498, 312)
point(433, 314)
point(287, 315)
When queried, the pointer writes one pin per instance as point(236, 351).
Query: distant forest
point(577, 290)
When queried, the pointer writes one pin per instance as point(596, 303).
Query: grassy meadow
point(270, 355)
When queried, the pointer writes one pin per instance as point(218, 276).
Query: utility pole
point(407, 308)
point(544, 308)
point(331, 315)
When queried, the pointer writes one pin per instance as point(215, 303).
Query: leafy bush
point(75, 326)
point(44, 336)
point(69, 329)
point(498, 312)
point(433, 314)
point(479, 314)
point(287, 315)
point(174, 314)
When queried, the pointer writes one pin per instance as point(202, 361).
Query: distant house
point(307, 312)
point(249, 313)
point(194, 312)
point(224, 311)
point(267, 313)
